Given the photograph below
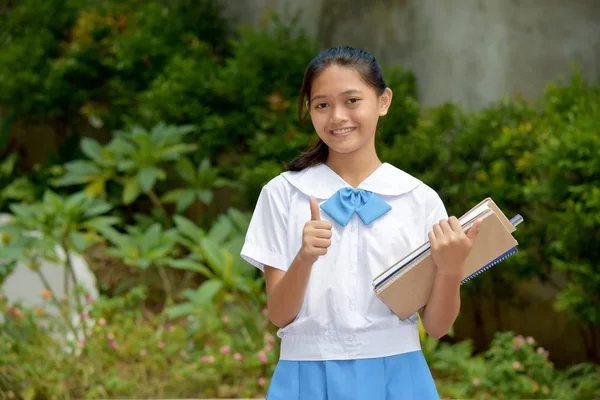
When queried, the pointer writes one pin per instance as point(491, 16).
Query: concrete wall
point(469, 51)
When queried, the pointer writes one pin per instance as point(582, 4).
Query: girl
point(324, 229)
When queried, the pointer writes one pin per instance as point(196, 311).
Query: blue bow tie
point(347, 201)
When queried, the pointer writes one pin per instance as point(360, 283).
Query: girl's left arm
point(450, 246)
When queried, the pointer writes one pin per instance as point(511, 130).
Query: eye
point(353, 100)
point(321, 105)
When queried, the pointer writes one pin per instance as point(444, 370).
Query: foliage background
point(140, 134)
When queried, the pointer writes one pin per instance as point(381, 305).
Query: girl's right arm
point(285, 290)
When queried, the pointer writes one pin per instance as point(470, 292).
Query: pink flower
point(225, 350)
point(269, 338)
point(110, 336)
point(89, 298)
point(15, 312)
point(540, 350)
point(82, 342)
point(225, 319)
point(63, 298)
point(530, 340)
point(262, 381)
point(268, 348)
point(237, 356)
point(207, 359)
point(516, 365)
point(84, 315)
point(476, 381)
point(102, 322)
point(263, 357)
point(113, 344)
point(516, 346)
point(143, 352)
point(161, 345)
point(519, 339)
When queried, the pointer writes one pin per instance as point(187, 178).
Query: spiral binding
point(490, 265)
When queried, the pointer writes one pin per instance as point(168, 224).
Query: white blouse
point(341, 317)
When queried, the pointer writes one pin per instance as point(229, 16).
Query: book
point(406, 285)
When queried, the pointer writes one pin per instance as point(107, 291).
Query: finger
point(315, 213)
point(432, 239)
point(323, 233)
point(437, 231)
point(475, 229)
point(445, 227)
point(326, 225)
point(455, 225)
point(321, 243)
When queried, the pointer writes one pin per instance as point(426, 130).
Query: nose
point(337, 115)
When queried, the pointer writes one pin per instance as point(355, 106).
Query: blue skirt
point(403, 376)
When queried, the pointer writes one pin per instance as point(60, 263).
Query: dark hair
point(360, 60)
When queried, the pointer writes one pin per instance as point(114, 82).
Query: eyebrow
point(322, 96)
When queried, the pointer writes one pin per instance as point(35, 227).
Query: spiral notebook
point(405, 286)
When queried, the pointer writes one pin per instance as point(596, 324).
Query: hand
point(316, 235)
point(450, 245)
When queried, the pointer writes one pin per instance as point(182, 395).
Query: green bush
point(539, 159)
point(130, 352)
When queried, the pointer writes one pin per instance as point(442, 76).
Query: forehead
point(335, 80)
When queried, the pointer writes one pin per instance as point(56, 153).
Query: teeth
point(342, 131)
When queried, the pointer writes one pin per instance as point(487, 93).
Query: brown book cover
point(407, 290)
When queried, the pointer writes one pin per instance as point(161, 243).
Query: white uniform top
point(341, 317)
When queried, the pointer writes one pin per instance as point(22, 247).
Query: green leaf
point(214, 255)
point(53, 200)
point(8, 165)
point(191, 265)
point(100, 223)
point(239, 219)
point(97, 208)
point(188, 228)
point(177, 150)
point(185, 200)
point(173, 195)
point(92, 149)
point(181, 310)
point(77, 172)
point(205, 196)
point(79, 241)
point(19, 189)
point(185, 169)
point(147, 177)
point(111, 234)
point(74, 202)
point(152, 237)
point(132, 190)
point(207, 292)
point(221, 229)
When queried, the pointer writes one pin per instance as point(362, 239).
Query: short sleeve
point(436, 211)
point(266, 238)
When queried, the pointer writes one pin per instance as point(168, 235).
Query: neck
point(354, 167)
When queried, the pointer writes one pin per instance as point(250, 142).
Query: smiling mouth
point(341, 132)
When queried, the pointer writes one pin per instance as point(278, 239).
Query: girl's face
point(344, 109)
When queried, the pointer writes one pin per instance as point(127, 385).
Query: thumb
point(474, 231)
point(315, 214)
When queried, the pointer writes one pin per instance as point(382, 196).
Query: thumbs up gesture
point(316, 235)
point(450, 245)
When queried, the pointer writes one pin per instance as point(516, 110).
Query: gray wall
point(469, 51)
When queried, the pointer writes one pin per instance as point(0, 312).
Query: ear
point(307, 104)
point(385, 101)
